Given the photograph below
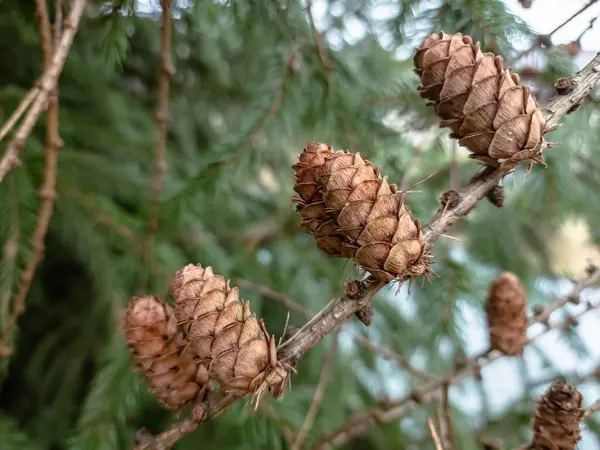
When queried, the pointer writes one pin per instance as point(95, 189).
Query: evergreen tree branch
point(459, 204)
point(45, 85)
point(434, 435)
point(16, 115)
point(359, 293)
point(47, 192)
point(161, 115)
point(399, 359)
point(311, 415)
point(296, 307)
point(546, 38)
point(429, 392)
point(215, 404)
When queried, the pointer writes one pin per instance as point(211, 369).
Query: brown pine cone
point(224, 335)
point(526, 3)
point(480, 101)
point(152, 336)
point(309, 198)
point(359, 215)
point(379, 230)
point(506, 316)
point(556, 422)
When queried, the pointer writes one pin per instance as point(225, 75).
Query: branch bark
point(45, 85)
point(48, 190)
point(161, 116)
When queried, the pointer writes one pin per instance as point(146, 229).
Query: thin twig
point(389, 354)
point(16, 115)
point(593, 408)
point(289, 304)
point(321, 48)
point(47, 191)
point(545, 38)
point(446, 431)
point(311, 415)
point(293, 306)
point(436, 439)
point(46, 84)
point(574, 297)
point(161, 115)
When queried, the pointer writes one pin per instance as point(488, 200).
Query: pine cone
point(224, 335)
point(556, 422)
point(480, 101)
point(507, 319)
point(378, 227)
point(526, 3)
point(358, 214)
point(309, 198)
point(152, 335)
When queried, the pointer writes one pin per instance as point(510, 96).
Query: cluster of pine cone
point(352, 211)
point(209, 335)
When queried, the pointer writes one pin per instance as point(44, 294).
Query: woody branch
point(359, 293)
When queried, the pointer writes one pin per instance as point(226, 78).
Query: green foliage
point(250, 91)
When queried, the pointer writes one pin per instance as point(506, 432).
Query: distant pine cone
point(224, 335)
point(556, 422)
point(152, 335)
point(507, 319)
point(526, 3)
point(480, 101)
point(366, 218)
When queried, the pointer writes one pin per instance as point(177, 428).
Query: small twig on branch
point(161, 116)
point(400, 360)
point(289, 304)
point(321, 48)
point(546, 38)
point(48, 190)
point(16, 115)
point(446, 431)
point(311, 415)
point(295, 307)
point(46, 84)
point(574, 297)
point(593, 408)
point(434, 435)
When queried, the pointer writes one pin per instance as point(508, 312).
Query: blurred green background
point(250, 91)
